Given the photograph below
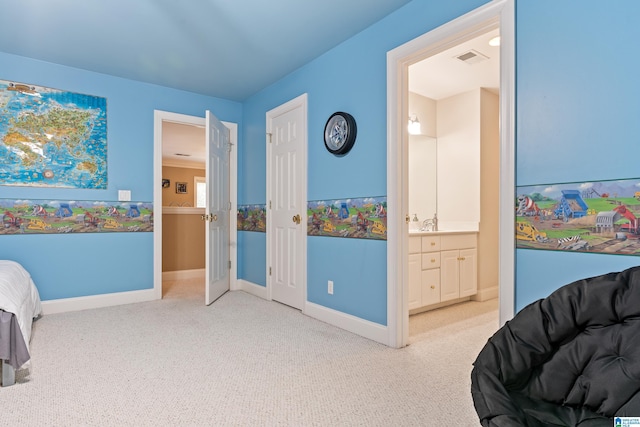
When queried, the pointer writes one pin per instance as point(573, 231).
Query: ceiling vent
point(471, 57)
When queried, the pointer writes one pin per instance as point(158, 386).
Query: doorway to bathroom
point(454, 189)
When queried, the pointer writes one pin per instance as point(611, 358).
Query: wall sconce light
point(414, 125)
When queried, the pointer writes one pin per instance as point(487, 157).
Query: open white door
point(217, 213)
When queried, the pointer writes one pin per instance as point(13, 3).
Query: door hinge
point(269, 271)
point(269, 135)
point(269, 204)
point(229, 264)
point(229, 206)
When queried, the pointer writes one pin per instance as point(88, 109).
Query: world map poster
point(52, 138)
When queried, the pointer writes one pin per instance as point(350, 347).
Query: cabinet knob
point(433, 260)
point(433, 287)
point(433, 243)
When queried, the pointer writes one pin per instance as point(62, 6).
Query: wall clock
point(340, 133)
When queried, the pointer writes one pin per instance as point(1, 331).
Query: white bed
point(20, 302)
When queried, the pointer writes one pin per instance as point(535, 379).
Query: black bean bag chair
point(571, 359)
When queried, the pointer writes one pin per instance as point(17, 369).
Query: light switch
point(124, 195)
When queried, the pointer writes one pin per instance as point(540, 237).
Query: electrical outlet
point(330, 287)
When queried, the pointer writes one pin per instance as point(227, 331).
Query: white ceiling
point(229, 49)
point(179, 140)
point(443, 75)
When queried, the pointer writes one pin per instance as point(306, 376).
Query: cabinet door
point(468, 272)
point(449, 275)
point(431, 286)
point(415, 292)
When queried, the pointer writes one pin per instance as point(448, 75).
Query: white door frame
point(300, 101)
point(165, 116)
point(496, 13)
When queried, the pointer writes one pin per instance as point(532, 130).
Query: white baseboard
point(96, 301)
point(251, 288)
point(183, 274)
point(486, 294)
point(353, 324)
point(439, 305)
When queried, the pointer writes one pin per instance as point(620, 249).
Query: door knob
point(296, 219)
point(214, 217)
point(204, 217)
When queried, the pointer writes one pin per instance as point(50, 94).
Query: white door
point(287, 218)
point(449, 275)
point(468, 272)
point(217, 211)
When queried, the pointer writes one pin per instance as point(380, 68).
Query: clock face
point(340, 133)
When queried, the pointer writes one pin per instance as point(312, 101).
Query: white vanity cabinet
point(415, 271)
point(442, 267)
point(430, 278)
point(459, 272)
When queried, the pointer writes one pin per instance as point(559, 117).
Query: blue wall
point(78, 265)
point(577, 116)
point(352, 78)
point(576, 119)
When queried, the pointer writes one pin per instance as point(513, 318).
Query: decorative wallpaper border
point(356, 218)
point(595, 217)
point(58, 217)
point(252, 218)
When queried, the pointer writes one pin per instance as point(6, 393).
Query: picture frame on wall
point(181, 187)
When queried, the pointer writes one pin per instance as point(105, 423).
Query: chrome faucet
point(430, 224)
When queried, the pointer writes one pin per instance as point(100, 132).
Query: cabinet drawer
point(414, 245)
point(430, 243)
point(431, 260)
point(430, 287)
point(458, 241)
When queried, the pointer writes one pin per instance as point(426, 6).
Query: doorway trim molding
point(495, 13)
point(160, 116)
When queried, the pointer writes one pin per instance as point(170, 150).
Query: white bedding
point(19, 295)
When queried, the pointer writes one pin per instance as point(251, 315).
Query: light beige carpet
point(242, 361)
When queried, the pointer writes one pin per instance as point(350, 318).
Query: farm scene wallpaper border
point(595, 217)
point(66, 216)
point(252, 218)
point(355, 218)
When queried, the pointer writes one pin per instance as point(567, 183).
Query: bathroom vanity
point(443, 268)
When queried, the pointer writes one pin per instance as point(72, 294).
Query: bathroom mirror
point(423, 154)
